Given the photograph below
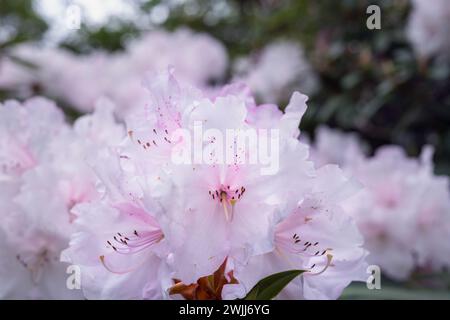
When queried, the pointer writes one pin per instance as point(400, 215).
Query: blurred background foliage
point(371, 80)
point(19, 22)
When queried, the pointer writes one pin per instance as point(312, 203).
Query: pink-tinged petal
point(198, 237)
point(137, 213)
point(114, 245)
point(293, 114)
point(264, 116)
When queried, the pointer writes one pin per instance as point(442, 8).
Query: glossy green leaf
point(269, 287)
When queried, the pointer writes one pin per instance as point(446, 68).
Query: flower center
point(227, 197)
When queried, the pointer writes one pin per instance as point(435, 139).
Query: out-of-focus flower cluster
point(271, 74)
point(80, 80)
point(403, 209)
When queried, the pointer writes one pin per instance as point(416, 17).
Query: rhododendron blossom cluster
point(108, 198)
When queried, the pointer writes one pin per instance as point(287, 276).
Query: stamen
point(329, 258)
point(224, 198)
point(135, 243)
point(295, 245)
point(102, 259)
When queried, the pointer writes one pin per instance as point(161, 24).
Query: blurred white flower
point(332, 146)
point(279, 68)
point(403, 209)
point(428, 27)
point(403, 212)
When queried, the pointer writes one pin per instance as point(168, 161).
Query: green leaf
point(269, 287)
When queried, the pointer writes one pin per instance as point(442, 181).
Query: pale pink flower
point(315, 236)
point(118, 247)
